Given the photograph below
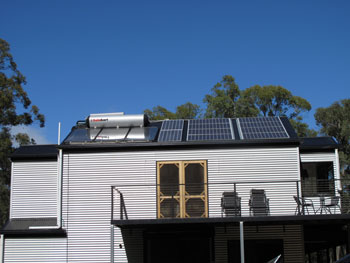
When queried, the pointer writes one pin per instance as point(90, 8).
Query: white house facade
point(120, 188)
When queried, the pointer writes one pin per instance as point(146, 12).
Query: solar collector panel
point(209, 129)
point(261, 128)
point(171, 130)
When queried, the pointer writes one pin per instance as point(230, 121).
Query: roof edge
point(48, 151)
point(208, 144)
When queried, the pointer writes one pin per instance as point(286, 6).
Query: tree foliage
point(335, 121)
point(159, 113)
point(184, 111)
point(275, 101)
point(15, 109)
point(222, 102)
point(226, 100)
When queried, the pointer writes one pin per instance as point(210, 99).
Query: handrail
point(214, 183)
point(331, 187)
point(122, 204)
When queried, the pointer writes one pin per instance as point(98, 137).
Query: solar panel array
point(209, 129)
point(262, 128)
point(171, 131)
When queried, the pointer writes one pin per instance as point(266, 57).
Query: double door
point(182, 189)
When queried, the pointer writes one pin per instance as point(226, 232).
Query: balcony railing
point(230, 199)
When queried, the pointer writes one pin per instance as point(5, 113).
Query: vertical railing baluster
point(298, 196)
point(121, 205)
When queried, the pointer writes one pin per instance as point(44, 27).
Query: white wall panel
point(318, 157)
point(46, 250)
point(34, 189)
point(88, 178)
point(322, 157)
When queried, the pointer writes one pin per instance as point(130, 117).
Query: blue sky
point(82, 57)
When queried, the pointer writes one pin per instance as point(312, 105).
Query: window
point(317, 178)
point(182, 189)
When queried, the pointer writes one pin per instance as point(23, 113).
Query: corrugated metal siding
point(322, 157)
point(251, 165)
point(88, 177)
point(48, 250)
point(317, 157)
point(292, 236)
point(34, 189)
point(119, 246)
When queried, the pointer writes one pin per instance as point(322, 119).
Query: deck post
point(241, 238)
point(112, 204)
point(112, 244)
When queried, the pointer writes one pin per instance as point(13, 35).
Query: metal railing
point(122, 207)
point(226, 199)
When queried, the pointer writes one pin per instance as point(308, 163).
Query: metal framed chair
point(230, 204)
point(258, 203)
point(330, 202)
point(303, 205)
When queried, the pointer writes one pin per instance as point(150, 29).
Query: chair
point(230, 204)
point(302, 204)
point(258, 203)
point(330, 202)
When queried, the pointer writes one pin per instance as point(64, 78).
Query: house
point(121, 188)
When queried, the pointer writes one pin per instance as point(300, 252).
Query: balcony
point(220, 202)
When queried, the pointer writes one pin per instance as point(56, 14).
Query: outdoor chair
point(258, 203)
point(230, 204)
point(303, 205)
point(330, 202)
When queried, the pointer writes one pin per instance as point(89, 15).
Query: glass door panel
point(195, 189)
point(169, 190)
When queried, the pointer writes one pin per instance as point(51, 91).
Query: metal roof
point(35, 151)
point(318, 143)
point(142, 139)
point(205, 132)
point(23, 226)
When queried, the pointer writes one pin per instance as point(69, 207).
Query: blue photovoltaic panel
point(262, 128)
point(171, 131)
point(209, 129)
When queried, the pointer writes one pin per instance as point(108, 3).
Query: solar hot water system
point(116, 120)
point(112, 127)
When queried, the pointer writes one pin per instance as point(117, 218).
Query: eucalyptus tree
point(15, 109)
point(335, 121)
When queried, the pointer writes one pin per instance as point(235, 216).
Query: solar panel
point(261, 128)
point(171, 131)
point(209, 129)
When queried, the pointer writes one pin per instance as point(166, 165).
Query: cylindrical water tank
point(104, 120)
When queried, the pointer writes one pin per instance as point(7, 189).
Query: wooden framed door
point(182, 189)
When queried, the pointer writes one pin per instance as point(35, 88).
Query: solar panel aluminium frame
point(177, 131)
point(226, 119)
point(238, 122)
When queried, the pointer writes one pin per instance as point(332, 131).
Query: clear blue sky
point(83, 57)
